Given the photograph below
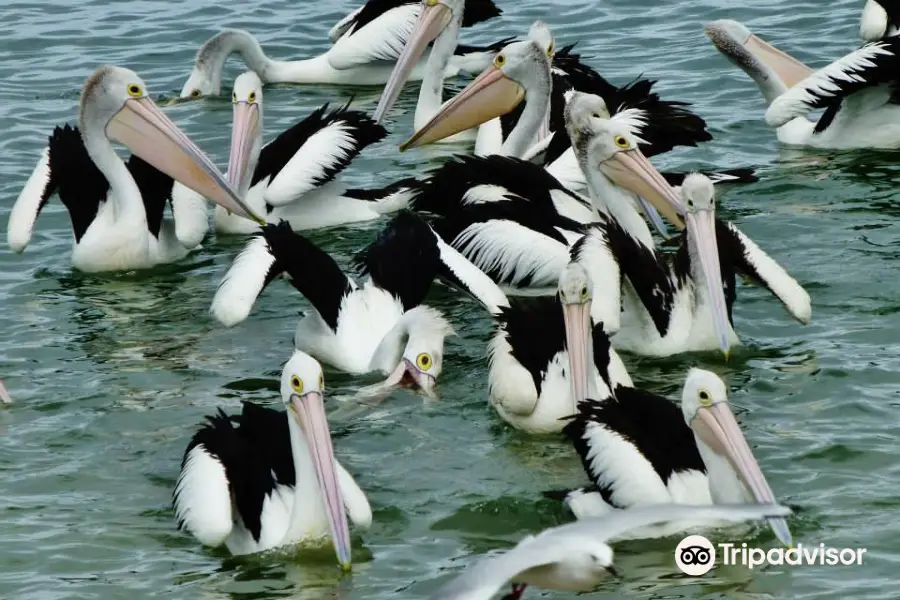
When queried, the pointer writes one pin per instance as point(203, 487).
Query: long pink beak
point(701, 228)
point(632, 171)
point(244, 133)
point(577, 318)
point(717, 428)
point(431, 22)
point(490, 95)
point(309, 410)
point(151, 135)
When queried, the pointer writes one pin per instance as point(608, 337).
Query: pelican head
point(206, 76)
point(420, 360)
point(704, 403)
point(699, 201)
point(303, 393)
point(246, 132)
point(575, 294)
point(115, 101)
point(773, 70)
point(607, 146)
point(436, 17)
point(540, 34)
point(519, 66)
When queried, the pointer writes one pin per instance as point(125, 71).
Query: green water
point(112, 374)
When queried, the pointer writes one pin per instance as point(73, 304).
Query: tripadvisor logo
point(695, 555)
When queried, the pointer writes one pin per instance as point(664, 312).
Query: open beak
point(631, 170)
point(490, 95)
point(716, 426)
point(5, 398)
point(431, 22)
point(309, 411)
point(147, 132)
point(701, 228)
point(577, 318)
point(408, 375)
point(757, 58)
point(244, 132)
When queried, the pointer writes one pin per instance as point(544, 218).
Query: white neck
point(124, 194)
point(725, 487)
point(308, 518)
point(245, 45)
point(616, 202)
point(534, 118)
point(431, 93)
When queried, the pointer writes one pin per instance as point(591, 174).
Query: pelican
point(529, 384)
point(576, 557)
point(293, 178)
point(683, 303)
point(365, 45)
point(855, 91)
point(117, 210)
point(378, 326)
point(529, 79)
point(439, 22)
point(516, 222)
point(259, 481)
point(637, 449)
point(5, 398)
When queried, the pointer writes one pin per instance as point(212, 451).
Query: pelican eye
point(135, 91)
point(252, 97)
point(195, 93)
point(584, 292)
point(550, 50)
point(499, 61)
point(321, 381)
point(424, 361)
point(620, 141)
point(233, 97)
point(431, 2)
point(297, 384)
point(690, 203)
point(704, 397)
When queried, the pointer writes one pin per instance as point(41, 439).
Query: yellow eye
point(195, 93)
point(431, 2)
point(234, 98)
point(297, 384)
point(424, 361)
point(321, 381)
point(499, 61)
point(620, 141)
point(550, 50)
point(705, 398)
point(584, 293)
point(135, 91)
point(252, 97)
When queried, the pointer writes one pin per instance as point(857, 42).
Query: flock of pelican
point(553, 226)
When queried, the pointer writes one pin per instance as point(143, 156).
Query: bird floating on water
point(117, 210)
point(266, 479)
point(379, 326)
point(639, 448)
point(295, 177)
point(856, 91)
point(366, 43)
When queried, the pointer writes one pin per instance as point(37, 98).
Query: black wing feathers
point(403, 259)
point(277, 153)
point(312, 271)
